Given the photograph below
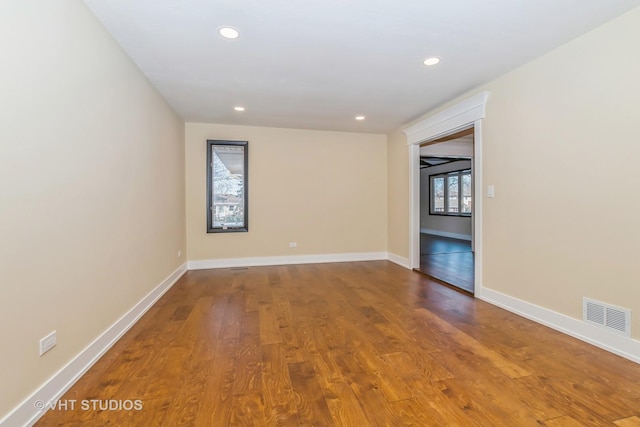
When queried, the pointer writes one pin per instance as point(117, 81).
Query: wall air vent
point(612, 318)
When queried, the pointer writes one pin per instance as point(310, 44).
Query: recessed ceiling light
point(238, 108)
point(360, 117)
point(431, 61)
point(228, 32)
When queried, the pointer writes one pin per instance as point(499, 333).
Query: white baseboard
point(396, 259)
point(446, 234)
point(284, 260)
point(26, 413)
point(622, 346)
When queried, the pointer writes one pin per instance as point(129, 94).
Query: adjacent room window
point(227, 198)
point(451, 193)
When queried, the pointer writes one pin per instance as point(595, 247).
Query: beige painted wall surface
point(560, 146)
point(398, 171)
point(91, 185)
point(327, 191)
point(556, 230)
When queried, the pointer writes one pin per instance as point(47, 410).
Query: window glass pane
point(228, 186)
point(452, 182)
point(438, 195)
point(466, 193)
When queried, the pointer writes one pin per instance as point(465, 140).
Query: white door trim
point(464, 114)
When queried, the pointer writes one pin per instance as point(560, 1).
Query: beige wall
point(556, 231)
point(398, 193)
point(91, 185)
point(327, 191)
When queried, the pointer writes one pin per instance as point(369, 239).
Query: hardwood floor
point(448, 260)
point(348, 344)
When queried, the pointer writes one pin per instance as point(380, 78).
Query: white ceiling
point(316, 64)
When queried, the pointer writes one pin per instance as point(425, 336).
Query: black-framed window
point(451, 193)
point(227, 178)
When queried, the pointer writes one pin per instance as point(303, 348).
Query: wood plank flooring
point(348, 344)
point(448, 260)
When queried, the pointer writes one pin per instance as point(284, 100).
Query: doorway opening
point(446, 209)
point(463, 115)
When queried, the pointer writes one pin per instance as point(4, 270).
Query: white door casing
point(464, 114)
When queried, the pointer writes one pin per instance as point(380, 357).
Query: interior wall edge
point(401, 261)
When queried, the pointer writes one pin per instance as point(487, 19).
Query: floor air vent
point(612, 318)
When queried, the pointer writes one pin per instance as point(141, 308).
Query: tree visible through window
point(226, 186)
point(451, 193)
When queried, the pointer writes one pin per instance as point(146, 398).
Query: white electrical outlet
point(293, 244)
point(179, 253)
point(48, 342)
